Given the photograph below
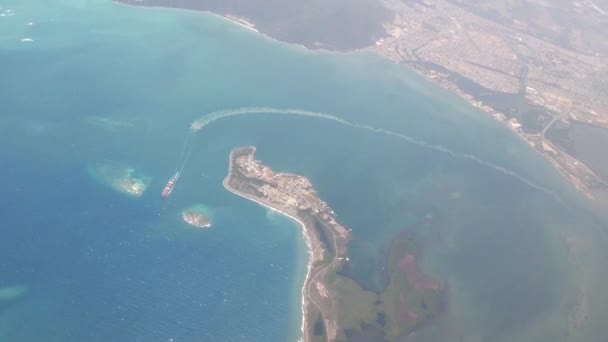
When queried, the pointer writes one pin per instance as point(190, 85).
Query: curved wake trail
point(209, 118)
point(184, 155)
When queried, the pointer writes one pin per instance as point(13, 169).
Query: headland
point(335, 306)
point(315, 24)
point(295, 197)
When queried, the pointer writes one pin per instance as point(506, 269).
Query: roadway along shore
point(294, 196)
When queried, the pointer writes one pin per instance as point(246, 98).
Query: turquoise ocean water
point(519, 250)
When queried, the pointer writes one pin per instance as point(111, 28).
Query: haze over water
point(101, 82)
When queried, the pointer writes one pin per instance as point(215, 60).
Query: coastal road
point(313, 280)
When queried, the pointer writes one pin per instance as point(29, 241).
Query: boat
point(169, 187)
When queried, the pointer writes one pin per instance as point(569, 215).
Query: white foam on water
point(209, 118)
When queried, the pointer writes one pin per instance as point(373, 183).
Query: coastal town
point(509, 69)
point(294, 196)
point(335, 307)
point(543, 78)
point(346, 171)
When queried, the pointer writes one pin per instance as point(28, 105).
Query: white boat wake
point(209, 118)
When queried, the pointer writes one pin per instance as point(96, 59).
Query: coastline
point(326, 314)
point(306, 239)
point(325, 49)
point(231, 18)
point(577, 173)
point(294, 196)
point(239, 21)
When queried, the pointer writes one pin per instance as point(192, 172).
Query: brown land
point(335, 307)
point(531, 64)
point(540, 67)
point(295, 196)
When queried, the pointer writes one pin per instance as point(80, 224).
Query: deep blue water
point(112, 272)
point(104, 82)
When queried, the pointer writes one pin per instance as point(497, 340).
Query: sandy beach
point(294, 196)
point(241, 22)
point(311, 257)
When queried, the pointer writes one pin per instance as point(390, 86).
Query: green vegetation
point(318, 327)
point(356, 305)
point(407, 302)
point(337, 24)
point(409, 299)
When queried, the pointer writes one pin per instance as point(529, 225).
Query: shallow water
point(108, 267)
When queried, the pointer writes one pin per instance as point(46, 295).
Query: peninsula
point(335, 307)
point(294, 196)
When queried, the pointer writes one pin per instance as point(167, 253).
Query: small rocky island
point(335, 306)
point(197, 216)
